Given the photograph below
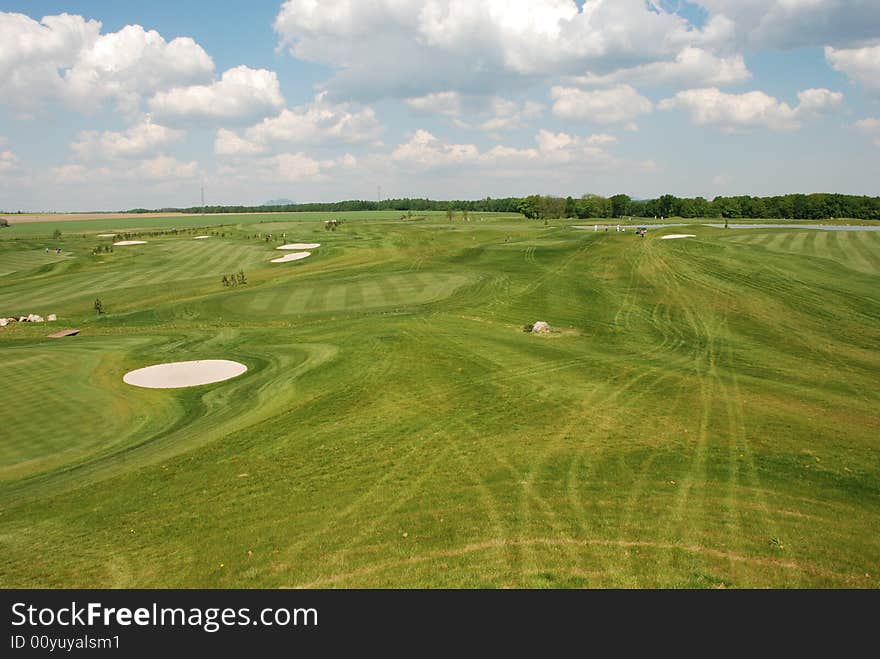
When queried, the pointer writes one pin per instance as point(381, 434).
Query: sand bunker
point(106, 235)
point(201, 237)
point(300, 246)
point(296, 256)
point(122, 243)
point(184, 374)
point(672, 236)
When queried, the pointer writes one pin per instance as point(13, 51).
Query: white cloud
point(240, 93)
point(510, 115)
point(601, 138)
point(8, 161)
point(426, 152)
point(296, 167)
point(138, 140)
point(316, 123)
point(493, 114)
point(692, 67)
point(818, 101)
point(412, 48)
point(797, 23)
point(861, 65)
point(871, 128)
point(66, 58)
point(158, 169)
point(229, 143)
point(752, 110)
point(166, 168)
point(447, 103)
point(618, 105)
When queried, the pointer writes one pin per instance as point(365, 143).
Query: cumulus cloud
point(315, 123)
point(871, 128)
point(448, 103)
point(861, 65)
point(618, 105)
point(493, 114)
point(797, 23)
point(478, 46)
point(229, 143)
point(426, 152)
point(751, 110)
point(8, 160)
point(818, 102)
point(67, 58)
point(142, 138)
point(240, 93)
point(692, 67)
point(298, 167)
point(158, 169)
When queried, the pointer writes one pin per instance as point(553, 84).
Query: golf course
point(705, 411)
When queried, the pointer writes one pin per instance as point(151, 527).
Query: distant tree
point(667, 205)
point(99, 306)
point(450, 214)
point(527, 207)
point(620, 205)
point(56, 235)
point(464, 215)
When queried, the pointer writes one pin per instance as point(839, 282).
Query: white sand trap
point(184, 374)
point(300, 246)
point(122, 243)
point(296, 256)
point(201, 237)
point(673, 236)
point(106, 235)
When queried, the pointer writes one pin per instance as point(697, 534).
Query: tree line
point(819, 206)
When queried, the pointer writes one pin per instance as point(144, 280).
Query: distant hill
point(279, 202)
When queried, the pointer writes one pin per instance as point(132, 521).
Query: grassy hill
point(704, 413)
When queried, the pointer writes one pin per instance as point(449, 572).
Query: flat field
point(704, 414)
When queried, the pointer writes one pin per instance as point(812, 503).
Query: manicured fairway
point(705, 413)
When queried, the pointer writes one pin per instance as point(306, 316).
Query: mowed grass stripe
point(842, 248)
point(14, 261)
point(798, 241)
point(777, 241)
point(821, 244)
point(317, 298)
point(354, 296)
point(868, 260)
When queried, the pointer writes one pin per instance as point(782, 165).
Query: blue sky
point(109, 105)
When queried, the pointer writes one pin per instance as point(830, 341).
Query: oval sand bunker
point(296, 256)
point(300, 246)
point(130, 242)
point(184, 374)
point(673, 236)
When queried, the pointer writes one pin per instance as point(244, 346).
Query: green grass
point(396, 428)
